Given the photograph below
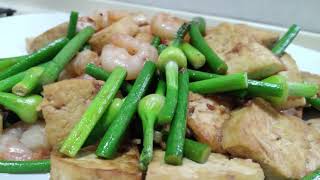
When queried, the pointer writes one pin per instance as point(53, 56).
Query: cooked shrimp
point(101, 19)
point(138, 17)
point(80, 61)
point(86, 21)
point(21, 142)
point(78, 64)
point(145, 29)
point(141, 19)
point(116, 15)
point(144, 37)
point(124, 26)
point(127, 52)
point(165, 25)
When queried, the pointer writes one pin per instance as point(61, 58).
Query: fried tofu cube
point(48, 36)
point(218, 167)
point(88, 166)
point(63, 105)
point(242, 52)
point(205, 118)
point(284, 146)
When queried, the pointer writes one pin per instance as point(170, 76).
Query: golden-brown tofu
point(264, 37)
point(144, 37)
point(205, 118)
point(298, 112)
point(242, 52)
point(315, 123)
point(310, 77)
point(63, 105)
point(292, 74)
point(87, 166)
point(285, 146)
point(124, 26)
point(218, 167)
point(48, 36)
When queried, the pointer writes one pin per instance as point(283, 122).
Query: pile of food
point(121, 95)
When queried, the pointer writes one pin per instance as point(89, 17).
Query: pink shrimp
point(24, 142)
point(165, 25)
point(127, 52)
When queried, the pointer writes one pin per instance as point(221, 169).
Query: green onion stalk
point(24, 107)
point(170, 61)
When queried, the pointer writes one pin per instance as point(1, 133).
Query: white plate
point(14, 31)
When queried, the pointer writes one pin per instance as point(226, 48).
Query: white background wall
point(283, 13)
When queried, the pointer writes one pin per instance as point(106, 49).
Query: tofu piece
point(242, 53)
point(264, 37)
point(63, 105)
point(48, 36)
point(315, 123)
point(285, 146)
point(298, 112)
point(292, 74)
point(218, 167)
point(205, 118)
point(87, 166)
point(124, 26)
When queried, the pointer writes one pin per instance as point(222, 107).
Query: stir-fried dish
point(122, 95)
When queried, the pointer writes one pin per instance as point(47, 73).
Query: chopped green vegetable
point(148, 109)
point(38, 57)
point(172, 54)
point(24, 167)
point(97, 72)
point(167, 112)
point(255, 88)
point(280, 80)
point(202, 24)
point(196, 151)
point(302, 89)
point(215, 63)
point(72, 28)
point(109, 144)
point(220, 84)
point(161, 87)
point(175, 142)
point(171, 59)
point(8, 62)
point(7, 84)
point(29, 82)
point(105, 121)
point(100, 74)
point(195, 57)
point(280, 47)
point(314, 175)
point(94, 112)
point(314, 102)
point(192, 150)
point(161, 47)
point(24, 107)
point(58, 63)
point(156, 41)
